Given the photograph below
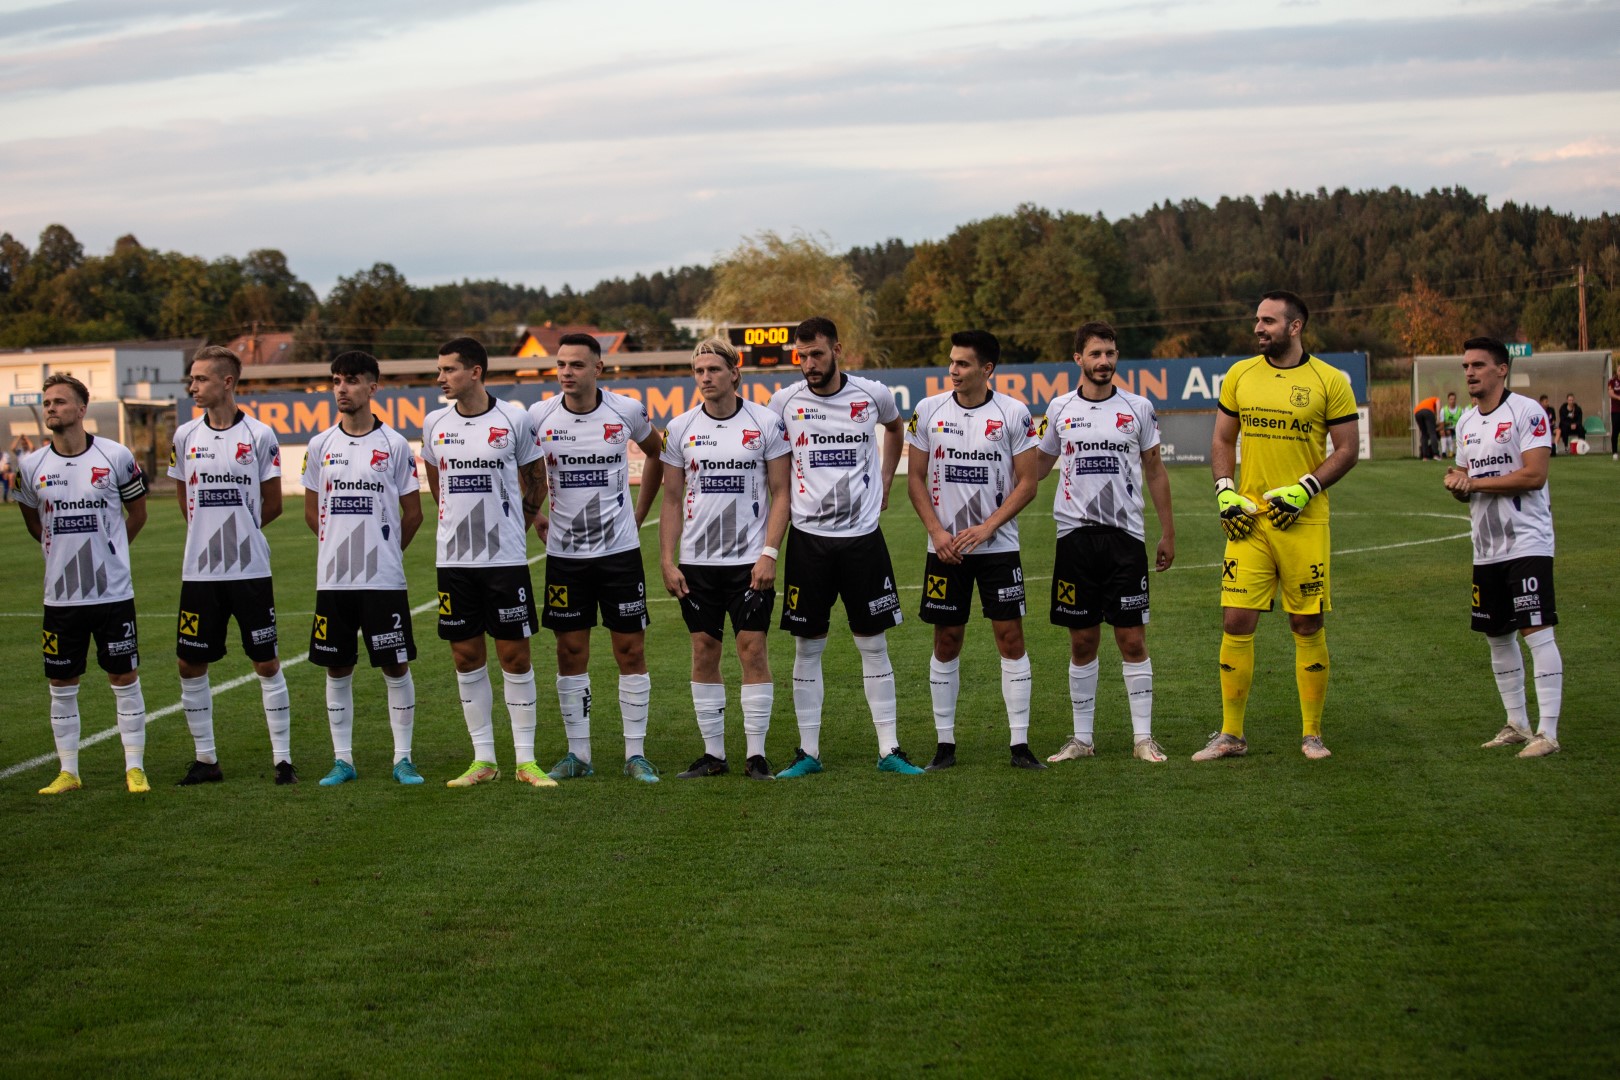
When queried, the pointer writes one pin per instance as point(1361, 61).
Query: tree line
point(1392, 272)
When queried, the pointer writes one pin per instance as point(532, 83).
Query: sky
point(572, 140)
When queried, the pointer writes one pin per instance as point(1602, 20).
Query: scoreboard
point(764, 344)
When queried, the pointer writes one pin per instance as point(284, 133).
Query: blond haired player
point(1284, 402)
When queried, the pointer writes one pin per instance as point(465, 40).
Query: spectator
point(1428, 439)
point(1571, 421)
point(1552, 419)
point(1614, 412)
point(8, 467)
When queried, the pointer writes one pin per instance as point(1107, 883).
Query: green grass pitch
point(1413, 906)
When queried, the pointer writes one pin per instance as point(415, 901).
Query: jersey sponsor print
point(723, 463)
point(80, 501)
point(588, 472)
point(480, 494)
point(222, 470)
point(837, 454)
point(1099, 447)
point(1493, 444)
point(970, 460)
point(358, 480)
point(1283, 415)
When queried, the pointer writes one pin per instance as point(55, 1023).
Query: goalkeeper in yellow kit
point(1284, 402)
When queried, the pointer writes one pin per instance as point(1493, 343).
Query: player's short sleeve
point(1534, 430)
point(917, 427)
point(1022, 434)
point(311, 474)
point(1147, 421)
point(268, 453)
point(1227, 400)
point(1341, 402)
point(1050, 444)
point(22, 488)
point(888, 410)
point(131, 481)
point(404, 461)
point(176, 452)
point(640, 422)
point(671, 454)
point(526, 446)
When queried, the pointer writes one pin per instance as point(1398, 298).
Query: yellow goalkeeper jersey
point(1283, 415)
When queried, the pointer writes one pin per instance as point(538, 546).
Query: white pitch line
point(243, 680)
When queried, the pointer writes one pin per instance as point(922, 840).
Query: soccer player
point(971, 470)
point(593, 547)
point(1284, 402)
point(1108, 442)
point(228, 465)
point(1504, 446)
point(725, 515)
point(84, 499)
point(840, 484)
point(1450, 413)
point(362, 500)
point(483, 469)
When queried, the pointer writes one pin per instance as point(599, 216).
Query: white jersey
point(359, 479)
point(588, 473)
point(481, 520)
point(970, 460)
point(81, 500)
point(222, 471)
point(723, 463)
point(1493, 444)
point(837, 454)
point(1099, 447)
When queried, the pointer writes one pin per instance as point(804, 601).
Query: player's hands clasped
point(1237, 513)
point(1284, 504)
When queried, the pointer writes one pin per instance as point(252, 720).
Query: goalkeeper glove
point(1285, 504)
point(1237, 513)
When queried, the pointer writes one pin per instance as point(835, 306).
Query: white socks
point(198, 702)
point(1016, 682)
point(1083, 698)
point(478, 708)
point(635, 694)
point(401, 712)
point(131, 707)
point(65, 726)
point(1139, 692)
point(1508, 666)
point(944, 684)
point(519, 693)
point(757, 701)
point(808, 691)
point(1549, 668)
point(340, 716)
point(277, 715)
point(574, 703)
point(709, 703)
point(879, 684)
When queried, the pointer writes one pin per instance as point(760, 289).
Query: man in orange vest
point(1428, 437)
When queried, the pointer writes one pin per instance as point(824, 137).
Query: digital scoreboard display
point(764, 344)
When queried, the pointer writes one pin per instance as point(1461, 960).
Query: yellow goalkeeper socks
point(1237, 672)
point(1311, 675)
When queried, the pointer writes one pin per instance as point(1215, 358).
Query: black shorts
point(948, 590)
point(382, 615)
point(1099, 575)
point(1514, 595)
point(576, 589)
point(713, 592)
point(855, 569)
point(207, 606)
point(64, 640)
point(493, 600)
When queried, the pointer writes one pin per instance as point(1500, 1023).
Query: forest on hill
point(1391, 272)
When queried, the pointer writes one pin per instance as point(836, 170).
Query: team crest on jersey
point(379, 461)
point(500, 438)
point(753, 440)
point(1540, 429)
point(993, 430)
point(1125, 423)
point(1300, 396)
point(100, 478)
point(613, 434)
point(857, 410)
point(1504, 430)
point(244, 453)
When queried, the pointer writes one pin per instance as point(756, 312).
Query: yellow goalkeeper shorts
point(1296, 559)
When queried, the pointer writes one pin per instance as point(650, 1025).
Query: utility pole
point(1580, 291)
